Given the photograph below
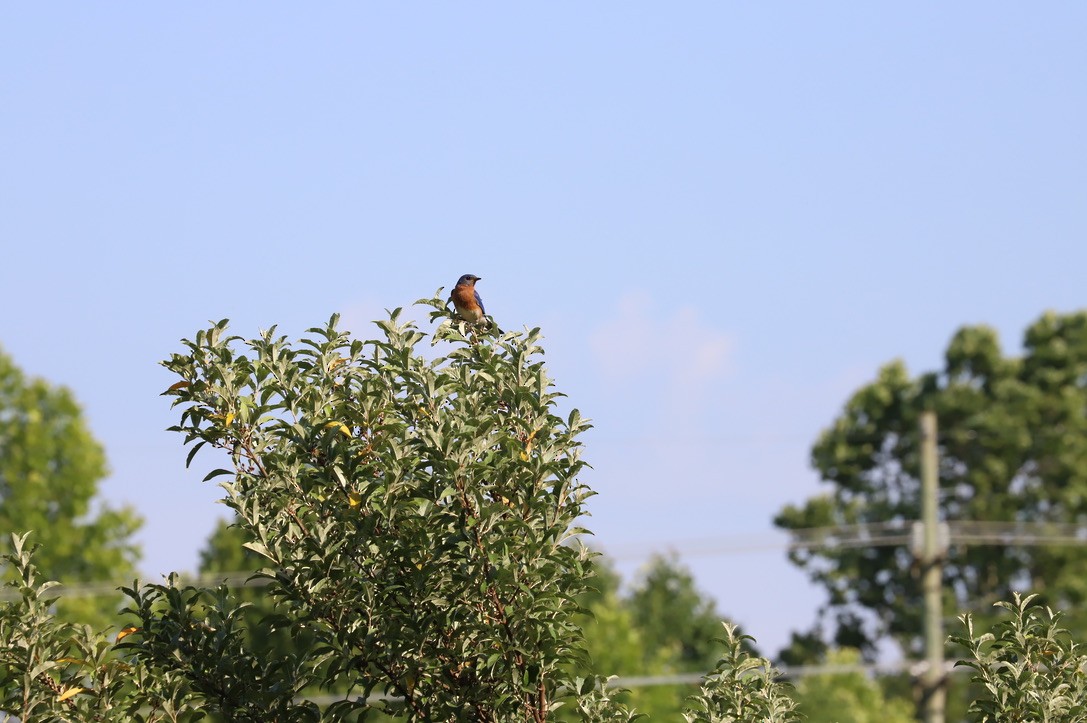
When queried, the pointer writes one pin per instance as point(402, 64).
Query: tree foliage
point(52, 670)
point(663, 625)
point(1013, 449)
point(416, 521)
point(848, 696)
point(417, 518)
point(50, 468)
point(1027, 669)
point(741, 687)
point(225, 552)
point(673, 614)
point(647, 630)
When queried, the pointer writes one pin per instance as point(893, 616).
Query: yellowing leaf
point(229, 419)
point(177, 385)
point(336, 362)
point(69, 693)
point(343, 428)
point(354, 499)
point(126, 632)
point(529, 444)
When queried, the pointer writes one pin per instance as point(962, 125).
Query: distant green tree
point(672, 613)
point(50, 468)
point(225, 551)
point(612, 641)
point(804, 648)
point(653, 631)
point(836, 697)
point(663, 626)
point(1013, 449)
point(615, 646)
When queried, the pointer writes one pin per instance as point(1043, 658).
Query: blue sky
point(724, 216)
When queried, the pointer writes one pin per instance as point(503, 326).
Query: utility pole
point(932, 552)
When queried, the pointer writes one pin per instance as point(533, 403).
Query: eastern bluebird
point(466, 299)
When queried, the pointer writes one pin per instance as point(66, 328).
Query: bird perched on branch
point(466, 299)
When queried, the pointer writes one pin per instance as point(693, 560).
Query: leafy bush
point(51, 670)
point(417, 516)
point(741, 688)
point(1028, 669)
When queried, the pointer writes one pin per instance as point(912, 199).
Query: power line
point(1018, 533)
point(632, 682)
point(876, 534)
point(726, 438)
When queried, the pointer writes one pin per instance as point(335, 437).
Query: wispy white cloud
point(645, 342)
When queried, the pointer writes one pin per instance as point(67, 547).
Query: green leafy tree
point(1013, 449)
point(50, 468)
point(678, 629)
point(673, 613)
point(848, 696)
point(416, 517)
point(616, 646)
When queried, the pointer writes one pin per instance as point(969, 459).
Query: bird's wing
point(480, 302)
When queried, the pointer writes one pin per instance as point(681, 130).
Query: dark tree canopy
point(1013, 449)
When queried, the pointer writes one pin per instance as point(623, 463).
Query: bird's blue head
point(468, 280)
